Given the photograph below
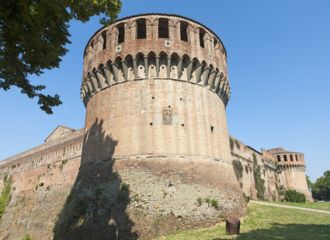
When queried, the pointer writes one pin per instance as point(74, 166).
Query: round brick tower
point(292, 167)
point(155, 87)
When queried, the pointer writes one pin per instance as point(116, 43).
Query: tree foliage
point(309, 182)
point(33, 35)
point(294, 196)
point(321, 188)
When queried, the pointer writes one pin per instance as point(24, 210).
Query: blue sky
point(279, 65)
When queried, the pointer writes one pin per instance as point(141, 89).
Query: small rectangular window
point(278, 158)
point(215, 42)
point(291, 158)
point(104, 37)
point(285, 158)
point(163, 28)
point(296, 157)
point(121, 33)
point(184, 31)
point(141, 28)
point(201, 37)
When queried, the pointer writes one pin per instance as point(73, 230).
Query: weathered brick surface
point(268, 170)
point(132, 114)
point(164, 99)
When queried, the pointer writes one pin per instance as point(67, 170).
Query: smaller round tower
point(292, 167)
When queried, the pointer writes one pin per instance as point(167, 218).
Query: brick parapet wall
point(153, 57)
point(63, 148)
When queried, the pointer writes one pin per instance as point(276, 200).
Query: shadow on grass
point(96, 206)
point(288, 231)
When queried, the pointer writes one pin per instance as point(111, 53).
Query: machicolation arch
point(161, 66)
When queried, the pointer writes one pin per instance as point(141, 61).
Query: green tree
point(33, 35)
point(321, 188)
point(309, 182)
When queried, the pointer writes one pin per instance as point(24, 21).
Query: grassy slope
point(314, 205)
point(268, 223)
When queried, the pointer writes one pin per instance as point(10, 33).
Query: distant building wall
point(268, 170)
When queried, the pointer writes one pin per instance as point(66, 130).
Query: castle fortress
point(154, 154)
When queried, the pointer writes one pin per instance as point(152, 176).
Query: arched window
point(201, 37)
point(291, 158)
point(163, 28)
point(141, 28)
point(296, 157)
point(184, 31)
point(104, 37)
point(121, 33)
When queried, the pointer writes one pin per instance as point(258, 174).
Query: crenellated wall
point(108, 62)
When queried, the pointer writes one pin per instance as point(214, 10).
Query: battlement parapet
point(62, 148)
point(288, 158)
point(155, 46)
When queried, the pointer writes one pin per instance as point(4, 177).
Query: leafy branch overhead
point(33, 35)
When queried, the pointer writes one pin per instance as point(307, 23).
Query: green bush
point(215, 204)
point(199, 201)
point(208, 201)
point(26, 237)
point(294, 196)
point(211, 202)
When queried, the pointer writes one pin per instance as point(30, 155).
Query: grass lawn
point(314, 205)
point(263, 222)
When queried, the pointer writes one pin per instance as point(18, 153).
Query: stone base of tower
point(148, 196)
